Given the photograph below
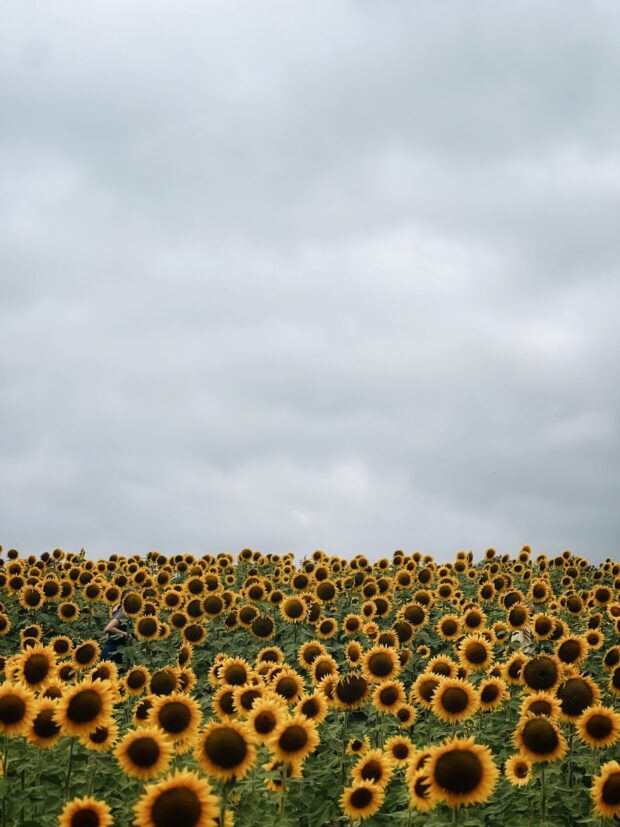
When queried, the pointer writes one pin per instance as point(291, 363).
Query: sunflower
point(293, 610)
point(540, 703)
point(235, 671)
point(5, 624)
point(449, 627)
point(245, 696)
point(518, 770)
point(182, 799)
point(576, 694)
point(265, 716)
point(405, 715)
point(145, 752)
point(85, 812)
point(43, 731)
point(492, 693)
point(388, 696)
point(293, 739)
point(17, 709)
point(350, 692)
point(461, 772)
point(512, 669)
point(85, 655)
point(381, 663)
point(361, 801)
point(614, 681)
point(539, 739)
point(454, 700)
point(400, 749)
point(36, 667)
point(309, 652)
point(146, 628)
point(288, 685)
point(442, 666)
point(358, 746)
point(178, 715)
point(164, 681)
point(102, 738)
point(599, 726)
point(571, 650)
point(225, 750)
point(475, 653)
point(84, 707)
point(419, 787)
point(313, 706)
point(322, 667)
point(605, 790)
point(68, 611)
point(136, 680)
point(62, 646)
point(423, 689)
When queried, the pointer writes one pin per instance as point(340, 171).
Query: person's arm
point(114, 628)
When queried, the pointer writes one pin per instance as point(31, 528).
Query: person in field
point(118, 632)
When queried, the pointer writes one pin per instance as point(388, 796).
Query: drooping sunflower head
point(420, 794)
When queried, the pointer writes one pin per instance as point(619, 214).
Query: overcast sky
point(338, 275)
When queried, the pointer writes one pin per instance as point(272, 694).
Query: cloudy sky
point(285, 275)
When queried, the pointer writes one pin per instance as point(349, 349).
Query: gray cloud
point(296, 276)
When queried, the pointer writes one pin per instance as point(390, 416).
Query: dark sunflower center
point(454, 699)
point(163, 682)
point(148, 626)
point(85, 817)
point(265, 722)
point(389, 695)
point(310, 708)
point(84, 654)
point(421, 787)
point(235, 675)
point(44, 725)
point(100, 735)
point(84, 707)
point(521, 770)
point(380, 664)
point(475, 652)
point(361, 797)
point(372, 770)
point(178, 807)
point(540, 708)
point(427, 688)
point(449, 627)
point(227, 703)
point(611, 790)
point(540, 673)
point(400, 751)
point(599, 726)
point(247, 698)
point(175, 717)
point(12, 709)
point(143, 752)
point(135, 679)
point(458, 771)
point(489, 693)
point(540, 736)
point(287, 687)
point(351, 689)
point(575, 696)
point(403, 715)
point(294, 609)
point(225, 748)
point(293, 739)
point(36, 669)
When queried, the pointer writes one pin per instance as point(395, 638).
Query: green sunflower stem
point(224, 802)
point(542, 793)
point(69, 766)
point(571, 763)
point(283, 793)
point(457, 814)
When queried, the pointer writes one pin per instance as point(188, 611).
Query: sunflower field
point(248, 690)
